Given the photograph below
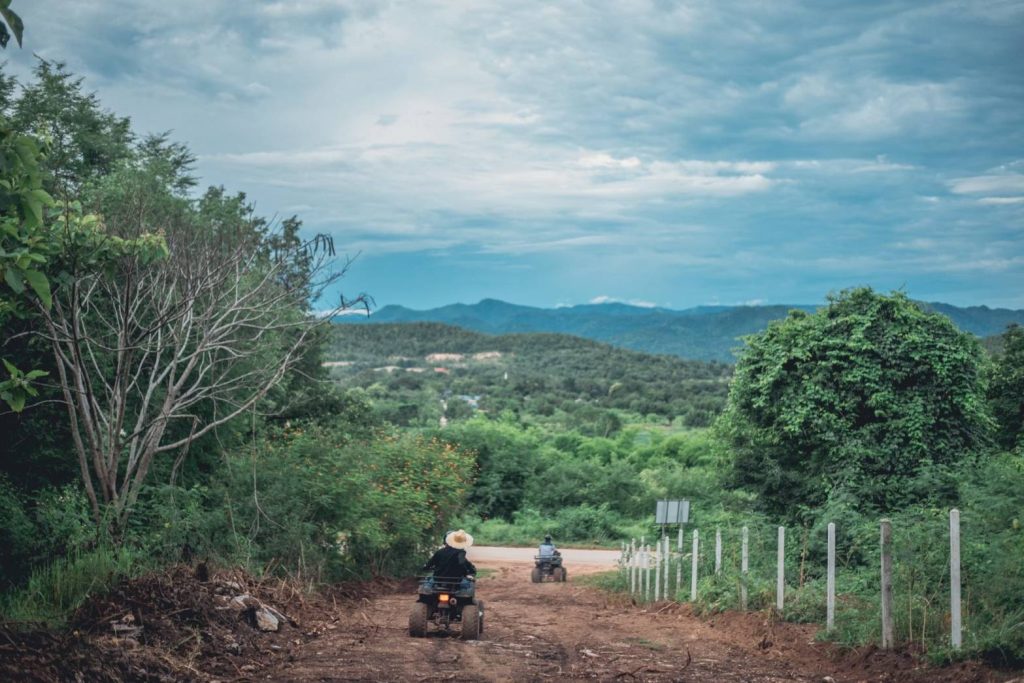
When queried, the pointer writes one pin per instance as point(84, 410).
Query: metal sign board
point(672, 512)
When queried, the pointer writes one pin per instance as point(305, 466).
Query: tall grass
point(54, 591)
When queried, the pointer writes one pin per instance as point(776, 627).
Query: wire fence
point(914, 593)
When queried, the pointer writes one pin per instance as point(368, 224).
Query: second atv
point(548, 567)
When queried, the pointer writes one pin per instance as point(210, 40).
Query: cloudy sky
point(671, 153)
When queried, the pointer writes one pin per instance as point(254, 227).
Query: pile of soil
point(178, 624)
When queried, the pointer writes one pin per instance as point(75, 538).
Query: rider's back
point(450, 563)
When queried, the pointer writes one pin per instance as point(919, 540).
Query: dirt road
point(553, 632)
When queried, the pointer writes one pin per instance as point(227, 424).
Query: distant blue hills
point(709, 333)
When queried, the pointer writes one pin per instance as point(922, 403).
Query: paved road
point(597, 559)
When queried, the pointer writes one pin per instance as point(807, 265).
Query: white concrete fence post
point(657, 569)
point(679, 569)
point(668, 554)
point(647, 573)
point(632, 567)
point(744, 568)
point(693, 569)
point(642, 570)
point(955, 635)
point(679, 559)
point(887, 598)
point(718, 551)
point(830, 581)
point(780, 584)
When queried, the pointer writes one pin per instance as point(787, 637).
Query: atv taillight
point(442, 598)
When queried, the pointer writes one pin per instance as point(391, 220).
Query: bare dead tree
point(152, 354)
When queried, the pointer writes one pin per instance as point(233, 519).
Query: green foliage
point(17, 536)
point(24, 246)
point(86, 142)
point(11, 24)
point(1006, 388)
point(506, 458)
point(315, 501)
point(862, 396)
point(556, 379)
point(585, 525)
point(55, 590)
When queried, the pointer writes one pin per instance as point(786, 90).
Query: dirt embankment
point(533, 632)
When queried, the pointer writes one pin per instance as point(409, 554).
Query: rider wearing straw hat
point(450, 561)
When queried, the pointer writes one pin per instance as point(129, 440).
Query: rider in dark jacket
point(450, 562)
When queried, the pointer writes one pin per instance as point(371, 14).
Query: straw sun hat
point(459, 539)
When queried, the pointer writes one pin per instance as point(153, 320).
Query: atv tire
point(418, 620)
point(480, 606)
point(558, 574)
point(565, 574)
point(471, 623)
point(535, 575)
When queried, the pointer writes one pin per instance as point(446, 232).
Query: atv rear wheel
point(418, 620)
point(480, 606)
point(558, 574)
point(565, 574)
point(471, 623)
point(535, 575)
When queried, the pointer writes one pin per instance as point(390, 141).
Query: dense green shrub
point(863, 395)
point(1006, 388)
point(312, 501)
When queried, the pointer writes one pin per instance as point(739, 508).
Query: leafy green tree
point(1006, 389)
point(24, 246)
point(86, 142)
point(11, 24)
point(861, 396)
point(506, 460)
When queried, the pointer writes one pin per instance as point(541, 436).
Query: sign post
point(666, 513)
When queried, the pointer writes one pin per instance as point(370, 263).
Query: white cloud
point(1001, 200)
point(602, 160)
point(1008, 183)
point(639, 303)
point(830, 104)
point(720, 139)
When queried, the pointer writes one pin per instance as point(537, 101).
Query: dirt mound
point(179, 624)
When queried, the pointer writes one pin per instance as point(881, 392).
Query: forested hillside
point(702, 333)
point(410, 369)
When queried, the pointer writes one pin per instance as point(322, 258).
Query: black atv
point(445, 602)
point(548, 567)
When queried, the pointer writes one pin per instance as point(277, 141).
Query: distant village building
point(472, 401)
point(443, 371)
point(337, 363)
point(487, 355)
point(445, 357)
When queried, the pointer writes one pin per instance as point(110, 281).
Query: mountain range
point(700, 333)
